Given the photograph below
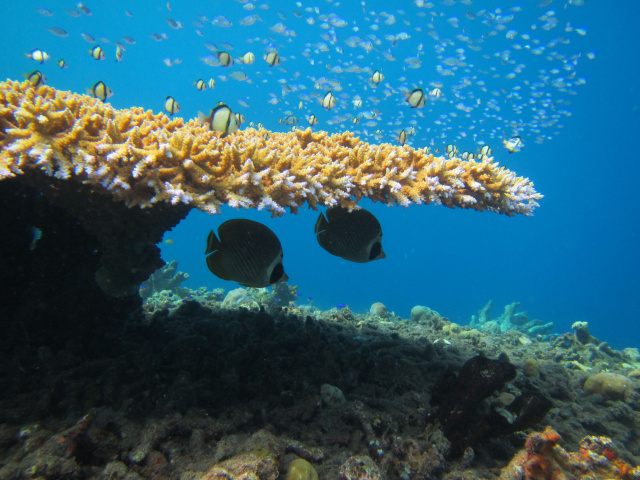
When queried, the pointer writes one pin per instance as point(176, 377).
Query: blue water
point(575, 259)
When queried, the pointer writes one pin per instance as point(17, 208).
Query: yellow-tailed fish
point(38, 55)
point(101, 91)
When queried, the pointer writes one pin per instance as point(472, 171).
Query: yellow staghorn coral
point(143, 158)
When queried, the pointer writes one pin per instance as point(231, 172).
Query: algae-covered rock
point(451, 328)
point(531, 368)
point(360, 467)
point(257, 458)
point(300, 469)
point(420, 313)
point(607, 384)
point(379, 309)
point(235, 297)
point(582, 332)
point(332, 396)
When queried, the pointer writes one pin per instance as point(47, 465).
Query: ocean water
point(579, 117)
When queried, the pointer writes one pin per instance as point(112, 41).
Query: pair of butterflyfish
point(221, 119)
point(250, 253)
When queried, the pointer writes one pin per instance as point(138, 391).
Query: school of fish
point(435, 74)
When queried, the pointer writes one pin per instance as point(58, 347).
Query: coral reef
point(71, 168)
point(459, 400)
point(202, 391)
point(165, 278)
point(544, 459)
point(509, 320)
point(142, 159)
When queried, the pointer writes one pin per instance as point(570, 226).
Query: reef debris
point(510, 319)
point(544, 459)
point(458, 400)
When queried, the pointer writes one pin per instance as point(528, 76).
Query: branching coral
point(143, 158)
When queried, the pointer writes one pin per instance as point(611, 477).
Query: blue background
point(575, 259)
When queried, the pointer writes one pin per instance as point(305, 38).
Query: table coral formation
point(143, 158)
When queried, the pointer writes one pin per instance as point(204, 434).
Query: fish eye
point(376, 248)
point(277, 273)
